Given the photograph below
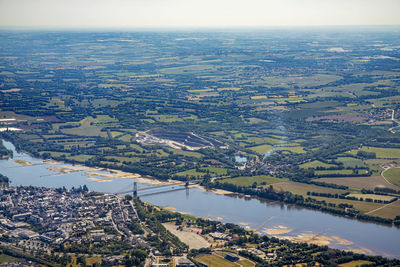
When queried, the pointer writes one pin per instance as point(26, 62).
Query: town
point(77, 227)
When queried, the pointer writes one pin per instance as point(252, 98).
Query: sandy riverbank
point(216, 191)
point(278, 230)
point(93, 179)
point(61, 170)
point(317, 239)
point(102, 175)
point(52, 161)
point(22, 162)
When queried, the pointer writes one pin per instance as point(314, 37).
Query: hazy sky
point(197, 13)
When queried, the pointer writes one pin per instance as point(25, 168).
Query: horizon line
point(172, 28)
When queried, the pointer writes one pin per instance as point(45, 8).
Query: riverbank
point(286, 197)
point(105, 175)
point(221, 205)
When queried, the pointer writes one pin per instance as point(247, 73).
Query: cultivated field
point(215, 261)
point(368, 182)
point(387, 211)
point(393, 176)
point(302, 189)
point(249, 180)
point(261, 149)
point(355, 263)
point(386, 153)
point(315, 164)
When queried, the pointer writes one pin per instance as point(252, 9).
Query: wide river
point(267, 217)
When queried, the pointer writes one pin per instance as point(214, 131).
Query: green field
point(294, 149)
point(362, 206)
point(185, 153)
point(385, 153)
point(349, 162)
point(333, 172)
point(166, 118)
point(213, 171)
point(89, 126)
point(216, 170)
point(261, 149)
point(356, 263)
point(215, 261)
point(80, 158)
point(393, 176)
point(249, 180)
point(7, 258)
point(315, 164)
point(302, 189)
point(246, 263)
point(262, 140)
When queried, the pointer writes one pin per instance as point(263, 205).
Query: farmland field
point(386, 153)
point(369, 182)
point(261, 149)
point(349, 162)
point(249, 180)
point(355, 263)
point(213, 171)
point(315, 164)
point(393, 176)
point(302, 189)
point(333, 172)
point(215, 261)
point(362, 206)
point(388, 211)
point(7, 258)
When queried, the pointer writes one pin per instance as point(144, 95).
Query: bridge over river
point(155, 189)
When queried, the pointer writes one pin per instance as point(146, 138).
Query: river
point(283, 221)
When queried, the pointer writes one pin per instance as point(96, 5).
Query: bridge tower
point(134, 189)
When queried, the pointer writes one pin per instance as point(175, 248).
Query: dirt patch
point(193, 240)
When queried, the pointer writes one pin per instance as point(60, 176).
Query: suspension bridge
point(155, 189)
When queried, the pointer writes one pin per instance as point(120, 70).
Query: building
point(231, 257)
point(21, 216)
point(97, 235)
point(185, 263)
